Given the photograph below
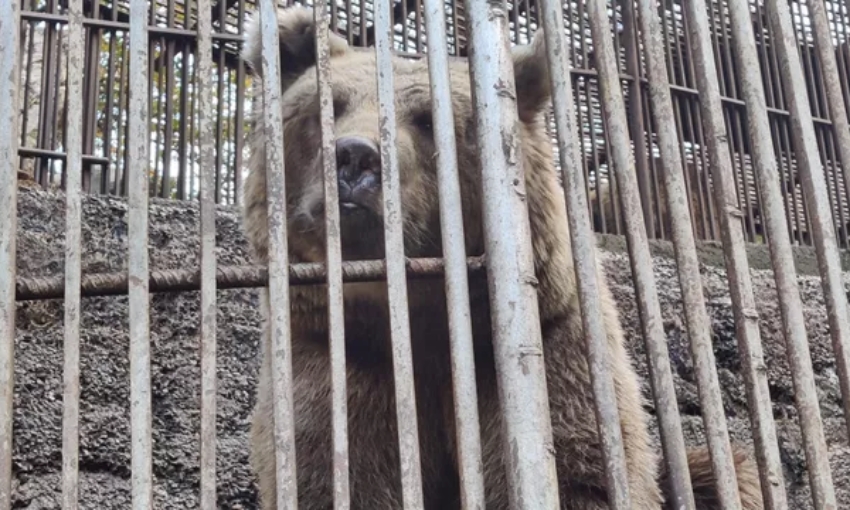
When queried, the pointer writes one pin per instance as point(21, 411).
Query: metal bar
point(838, 114)
point(336, 312)
point(470, 467)
point(405, 393)
point(9, 76)
point(138, 162)
point(614, 109)
point(532, 480)
point(690, 281)
point(820, 217)
point(791, 306)
point(231, 277)
point(73, 258)
point(208, 324)
point(737, 266)
point(277, 297)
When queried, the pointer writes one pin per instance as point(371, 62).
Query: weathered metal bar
point(276, 297)
point(791, 306)
point(814, 187)
point(614, 108)
point(138, 270)
point(584, 258)
point(9, 76)
point(737, 266)
point(690, 281)
point(465, 394)
point(73, 258)
point(402, 355)
point(333, 240)
point(208, 326)
point(532, 479)
point(841, 128)
point(229, 277)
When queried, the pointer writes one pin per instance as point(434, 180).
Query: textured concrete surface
point(105, 449)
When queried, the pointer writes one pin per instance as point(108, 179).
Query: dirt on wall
point(105, 415)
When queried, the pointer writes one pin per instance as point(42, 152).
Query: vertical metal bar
point(278, 266)
point(454, 253)
point(408, 433)
point(73, 257)
point(532, 479)
point(737, 266)
point(208, 262)
point(673, 442)
point(791, 306)
point(699, 326)
point(9, 35)
point(138, 163)
point(841, 128)
point(814, 189)
point(336, 315)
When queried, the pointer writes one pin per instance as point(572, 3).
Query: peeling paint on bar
point(514, 310)
point(9, 56)
point(73, 260)
point(138, 264)
point(208, 326)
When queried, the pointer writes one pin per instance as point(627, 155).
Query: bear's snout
point(359, 172)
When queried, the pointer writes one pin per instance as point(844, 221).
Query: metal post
point(73, 258)
point(9, 47)
point(408, 433)
point(513, 297)
point(277, 296)
point(208, 326)
point(470, 467)
point(336, 312)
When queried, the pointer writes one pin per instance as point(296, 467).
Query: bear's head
point(355, 103)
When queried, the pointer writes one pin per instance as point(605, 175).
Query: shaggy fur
point(374, 467)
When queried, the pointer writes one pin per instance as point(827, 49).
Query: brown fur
point(374, 466)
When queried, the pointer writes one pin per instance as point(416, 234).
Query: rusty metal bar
point(532, 480)
point(139, 298)
point(276, 298)
point(73, 172)
point(230, 277)
point(614, 108)
point(737, 266)
point(791, 306)
point(814, 186)
point(470, 467)
point(690, 281)
point(408, 430)
point(208, 326)
point(9, 76)
point(584, 258)
point(841, 128)
point(336, 311)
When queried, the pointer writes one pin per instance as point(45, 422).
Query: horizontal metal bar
point(29, 152)
point(230, 277)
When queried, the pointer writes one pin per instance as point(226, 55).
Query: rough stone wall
point(105, 420)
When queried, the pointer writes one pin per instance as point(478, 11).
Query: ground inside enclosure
point(105, 425)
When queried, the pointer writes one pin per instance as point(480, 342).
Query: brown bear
point(374, 458)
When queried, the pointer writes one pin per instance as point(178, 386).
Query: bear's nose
point(359, 170)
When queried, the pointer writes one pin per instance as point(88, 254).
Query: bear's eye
point(339, 108)
point(422, 120)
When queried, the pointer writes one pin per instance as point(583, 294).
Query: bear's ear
point(297, 33)
point(531, 72)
